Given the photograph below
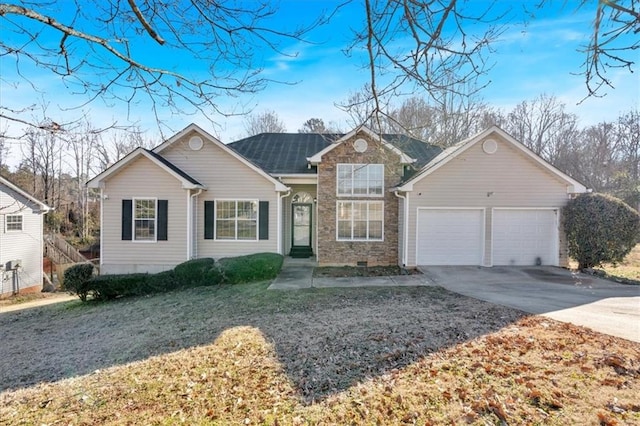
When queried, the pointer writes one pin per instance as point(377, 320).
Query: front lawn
point(628, 269)
point(246, 355)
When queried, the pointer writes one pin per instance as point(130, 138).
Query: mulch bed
point(362, 271)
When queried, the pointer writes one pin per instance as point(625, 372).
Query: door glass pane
point(301, 225)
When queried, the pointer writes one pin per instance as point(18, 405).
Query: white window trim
point(235, 240)
point(6, 223)
point(338, 194)
point(368, 240)
point(133, 220)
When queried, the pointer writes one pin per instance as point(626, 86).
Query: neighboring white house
point(21, 244)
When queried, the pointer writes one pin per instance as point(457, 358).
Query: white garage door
point(450, 236)
point(520, 237)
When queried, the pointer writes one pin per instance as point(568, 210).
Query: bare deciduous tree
point(424, 46)
point(120, 142)
point(627, 138)
point(82, 147)
point(444, 122)
point(542, 124)
point(42, 157)
point(4, 151)
point(264, 122)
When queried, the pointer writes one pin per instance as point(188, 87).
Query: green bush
point(77, 279)
point(250, 268)
point(599, 229)
point(197, 272)
point(192, 273)
point(107, 287)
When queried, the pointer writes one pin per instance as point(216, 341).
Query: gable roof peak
point(453, 151)
point(15, 188)
point(190, 128)
point(404, 158)
point(187, 181)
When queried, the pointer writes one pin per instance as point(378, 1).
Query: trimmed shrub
point(193, 273)
point(107, 287)
point(599, 229)
point(250, 268)
point(77, 279)
point(197, 272)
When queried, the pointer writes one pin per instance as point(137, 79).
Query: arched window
point(302, 198)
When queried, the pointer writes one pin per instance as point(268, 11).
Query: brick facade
point(334, 252)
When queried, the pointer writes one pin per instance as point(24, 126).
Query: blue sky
point(528, 60)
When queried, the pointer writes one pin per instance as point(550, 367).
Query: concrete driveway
point(557, 293)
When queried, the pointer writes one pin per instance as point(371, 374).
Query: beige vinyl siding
point(25, 245)
point(143, 179)
point(507, 178)
point(225, 177)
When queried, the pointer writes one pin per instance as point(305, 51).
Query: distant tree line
point(54, 165)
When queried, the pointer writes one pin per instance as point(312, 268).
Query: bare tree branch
point(609, 47)
point(154, 35)
point(99, 54)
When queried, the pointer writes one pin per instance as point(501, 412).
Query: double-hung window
point(144, 219)
point(13, 222)
point(236, 220)
point(360, 180)
point(359, 220)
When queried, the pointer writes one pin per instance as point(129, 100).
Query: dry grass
point(628, 269)
point(245, 355)
point(16, 299)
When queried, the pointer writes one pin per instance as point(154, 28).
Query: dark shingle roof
point(287, 153)
point(173, 167)
point(423, 152)
point(282, 153)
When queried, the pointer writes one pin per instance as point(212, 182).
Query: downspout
point(405, 226)
point(103, 198)
point(279, 216)
point(193, 218)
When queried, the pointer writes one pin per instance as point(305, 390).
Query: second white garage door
point(450, 236)
point(521, 236)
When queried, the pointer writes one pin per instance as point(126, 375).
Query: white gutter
point(279, 216)
point(102, 200)
point(405, 226)
point(192, 243)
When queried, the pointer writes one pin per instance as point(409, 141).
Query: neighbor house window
point(359, 220)
point(14, 222)
point(360, 179)
point(144, 219)
point(236, 220)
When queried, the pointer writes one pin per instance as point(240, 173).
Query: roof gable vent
point(490, 146)
point(195, 143)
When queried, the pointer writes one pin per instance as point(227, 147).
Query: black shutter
point(263, 226)
point(163, 209)
point(127, 212)
point(208, 219)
